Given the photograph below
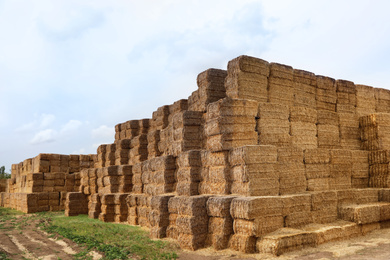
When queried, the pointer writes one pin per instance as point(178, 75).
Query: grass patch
point(116, 241)
point(8, 218)
point(3, 256)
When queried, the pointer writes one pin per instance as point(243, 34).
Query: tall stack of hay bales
point(365, 100)
point(304, 84)
point(317, 169)
point(328, 131)
point(382, 100)
point(341, 169)
point(158, 175)
point(303, 127)
point(291, 168)
point(280, 84)
point(138, 151)
point(215, 173)
point(188, 173)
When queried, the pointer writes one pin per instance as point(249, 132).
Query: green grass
point(116, 241)
point(8, 218)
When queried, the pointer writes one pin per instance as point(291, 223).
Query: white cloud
point(46, 120)
point(79, 151)
point(44, 136)
point(103, 132)
point(71, 126)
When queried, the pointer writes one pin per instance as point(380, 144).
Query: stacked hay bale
point(341, 169)
point(291, 169)
point(230, 123)
point(317, 169)
point(143, 209)
point(188, 173)
point(346, 96)
point(153, 139)
point(382, 98)
point(159, 216)
point(160, 118)
point(173, 210)
point(253, 218)
point(158, 175)
point(136, 179)
point(379, 169)
point(326, 96)
point(94, 206)
point(191, 221)
point(220, 227)
point(114, 179)
point(374, 129)
point(138, 151)
point(247, 78)
point(120, 208)
point(297, 210)
point(328, 132)
point(324, 206)
point(110, 155)
point(210, 89)
point(76, 204)
point(349, 131)
point(101, 156)
point(254, 170)
point(215, 173)
point(303, 127)
point(122, 151)
point(273, 124)
point(365, 100)
point(186, 131)
point(107, 213)
point(360, 169)
point(132, 216)
point(280, 84)
point(35, 182)
point(304, 85)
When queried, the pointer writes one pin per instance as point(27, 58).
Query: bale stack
point(365, 100)
point(34, 182)
point(220, 227)
point(132, 216)
point(101, 156)
point(188, 173)
point(326, 96)
point(94, 206)
point(324, 206)
point(297, 210)
point(110, 155)
point(253, 218)
point(349, 131)
point(120, 208)
point(374, 131)
point(382, 98)
point(317, 169)
point(192, 221)
point(303, 127)
point(160, 118)
point(254, 170)
point(280, 84)
point(360, 169)
point(341, 169)
point(153, 139)
point(173, 210)
point(304, 85)
point(379, 169)
point(76, 204)
point(114, 179)
point(138, 149)
point(143, 209)
point(158, 175)
point(346, 96)
point(273, 124)
point(328, 132)
point(122, 151)
point(230, 123)
point(159, 216)
point(215, 173)
point(247, 78)
point(210, 89)
point(291, 169)
point(186, 131)
point(107, 213)
point(166, 139)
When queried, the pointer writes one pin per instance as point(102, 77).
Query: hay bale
point(243, 243)
point(252, 207)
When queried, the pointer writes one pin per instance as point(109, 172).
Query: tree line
point(4, 174)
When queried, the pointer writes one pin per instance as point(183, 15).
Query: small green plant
point(3, 256)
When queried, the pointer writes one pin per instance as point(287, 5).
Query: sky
point(70, 70)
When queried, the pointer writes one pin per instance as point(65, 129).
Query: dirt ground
point(29, 242)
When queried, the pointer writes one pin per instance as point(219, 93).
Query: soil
point(29, 242)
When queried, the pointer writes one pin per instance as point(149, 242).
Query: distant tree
point(3, 174)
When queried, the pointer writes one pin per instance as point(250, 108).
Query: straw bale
point(379, 157)
point(296, 203)
point(189, 159)
point(248, 64)
point(281, 71)
point(232, 107)
point(220, 225)
point(285, 240)
point(187, 188)
point(279, 140)
point(230, 124)
point(191, 206)
point(252, 207)
point(303, 114)
point(327, 118)
point(192, 225)
point(306, 98)
point(107, 217)
point(157, 219)
point(244, 227)
point(319, 184)
point(359, 183)
point(303, 128)
point(218, 241)
point(317, 171)
point(192, 242)
point(304, 77)
point(243, 243)
point(188, 174)
point(253, 154)
point(257, 187)
point(340, 170)
point(360, 214)
point(292, 185)
point(273, 111)
point(229, 141)
point(345, 86)
point(339, 156)
point(219, 206)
